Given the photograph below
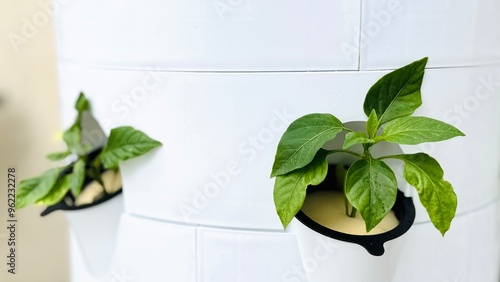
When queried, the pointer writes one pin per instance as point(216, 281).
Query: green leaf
point(436, 194)
point(33, 189)
point(290, 189)
point(371, 188)
point(302, 140)
point(372, 124)
point(82, 104)
point(124, 143)
point(416, 130)
point(58, 156)
point(353, 138)
point(77, 177)
point(57, 192)
point(73, 137)
point(397, 94)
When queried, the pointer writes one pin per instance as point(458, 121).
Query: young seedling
point(370, 185)
point(52, 186)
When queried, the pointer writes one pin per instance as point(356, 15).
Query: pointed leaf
point(436, 194)
point(290, 188)
point(58, 156)
point(57, 193)
point(416, 130)
point(82, 104)
point(77, 177)
point(32, 189)
point(302, 140)
point(397, 94)
point(371, 188)
point(73, 135)
point(124, 143)
point(353, 138)
point(372, 124)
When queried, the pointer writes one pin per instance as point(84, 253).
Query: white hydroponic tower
point(218, 82)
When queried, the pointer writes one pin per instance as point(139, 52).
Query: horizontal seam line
point(97, 67)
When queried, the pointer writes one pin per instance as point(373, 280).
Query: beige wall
point(29, 123)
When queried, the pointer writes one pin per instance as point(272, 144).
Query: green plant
point(51, 187)
point(370, 185)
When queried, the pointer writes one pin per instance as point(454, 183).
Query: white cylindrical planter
point(244, 35)
point(95, 230)
point(219, 146)
point(218, 83)
point(345, 252)
point(204, 124)
point(468, 251)
point(396, 32)
point(218, 35)
point(327, 259)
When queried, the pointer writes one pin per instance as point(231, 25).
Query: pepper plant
point(52, 186)
point(370, 185)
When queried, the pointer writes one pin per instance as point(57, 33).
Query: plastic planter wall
point(218, 83)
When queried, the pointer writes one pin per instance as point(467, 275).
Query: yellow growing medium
point(328, 209)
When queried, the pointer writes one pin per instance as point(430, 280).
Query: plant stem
point(353, 211)
point(346, 151)
point(346, 204)
point(390, 157)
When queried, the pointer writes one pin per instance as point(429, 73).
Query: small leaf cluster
point(370, 184)
point(53, 185)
